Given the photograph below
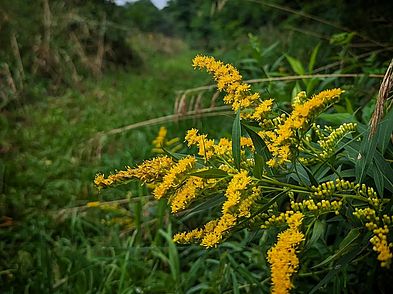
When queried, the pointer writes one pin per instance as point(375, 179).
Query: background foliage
point(72, 71)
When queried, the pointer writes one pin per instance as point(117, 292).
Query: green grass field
point(54, 244)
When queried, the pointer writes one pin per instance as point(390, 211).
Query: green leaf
point(236, 134)
point(176, 156)
point(259, 166)
point(385, 171)
point(318, 232)
point(345, 246)
point(313, 58)
point(295, 64)
point(348, 105)
point(173, 259)
point(379, 179)
point(313, 181)
point(259, 144)
point(384, 131)
point(364, 158)
point(211, 173)
point(331, 274)
point(337, 118)
point(262, 153)
point(235, 284)
point(214, 201)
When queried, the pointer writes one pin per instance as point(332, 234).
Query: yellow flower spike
point(229, 80)
point(238, 183)
point(184, 195)
point(225, 223)
point(282, 256)
point(158, 142)
point(298, 119)
point(171, 178)
point(93, 204)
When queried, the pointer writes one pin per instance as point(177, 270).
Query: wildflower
point(246, 142)
point(196, 234)
point(327, 143)
point(238, 183)
point(246, 204)
point(282, 256)
point(229, 80)
point(226, 222)
point(261, 110)
point(93, 204)
point(321, 206)
point(382, 247)
point(158, 142)
point(223, 147)
point(281, 141)
point(170, 179)
point(148, 171)
point(184, 195)
point(188, 237)
point(206, 146)
point(379, 227)
point(120, 176)
point(299, 98)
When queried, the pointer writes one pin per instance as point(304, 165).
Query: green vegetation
point(77, 76)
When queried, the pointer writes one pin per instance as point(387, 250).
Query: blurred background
point(85, 87)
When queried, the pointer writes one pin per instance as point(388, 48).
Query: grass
point(49, 163)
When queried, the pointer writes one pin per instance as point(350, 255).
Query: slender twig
point(76, 209)
point(205, 112)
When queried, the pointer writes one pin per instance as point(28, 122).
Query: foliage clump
point(278, 170)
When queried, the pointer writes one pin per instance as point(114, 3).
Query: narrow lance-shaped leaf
point(210, 173)
point(262, 153)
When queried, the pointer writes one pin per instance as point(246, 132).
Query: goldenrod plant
point(286, 173)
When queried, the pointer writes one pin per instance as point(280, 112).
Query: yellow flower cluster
point(273, 122)
point(211, 234)
point(261, 110)
point(233, 193)
point(280, 139)
point(321, 206)
point(148, 171)
point(381, 246)
point(246, 204)
point(237, 205)
point(300, 98)
point(283, 217)
point(331, 140)
point(328, 144)
point(329, 188)
point(120, 176)
point(171, 179)
point(158, 142)
point(161, 141)
point(224, 224)
point(123, 216)
point(229, 80)
point(282, 256)
point(379, 227)
point(196, 234)
point(208, 148)
point(186, 193)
